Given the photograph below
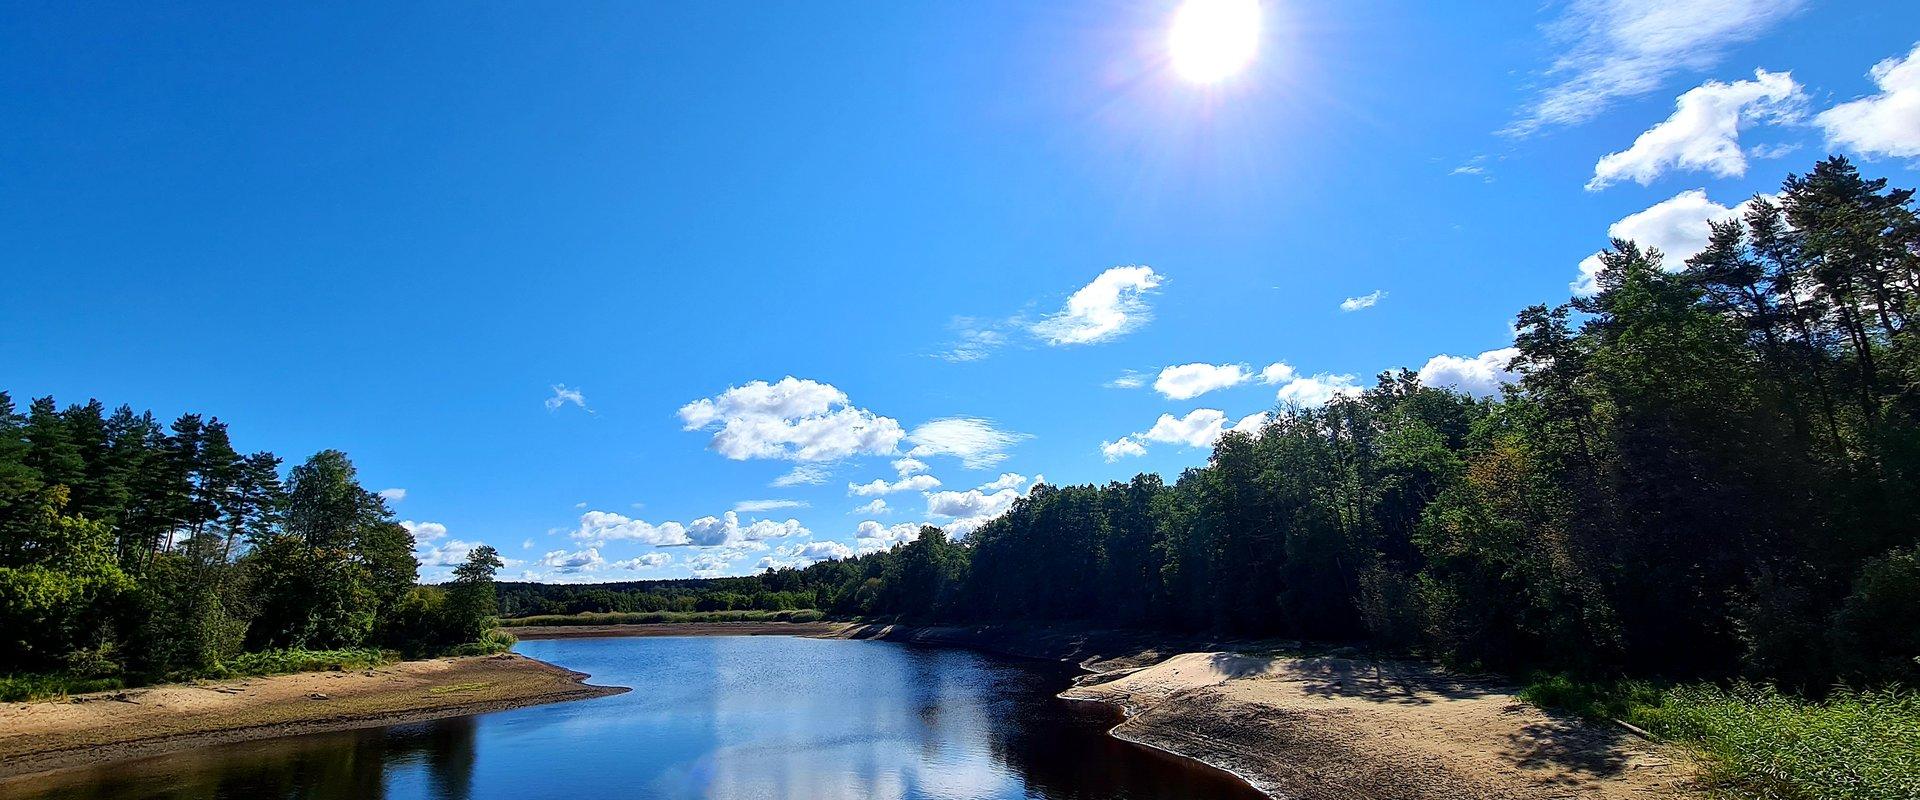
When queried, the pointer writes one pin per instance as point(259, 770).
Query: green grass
point(495, 641)
point(1761, 744)
point(280, 662)
point(664, 617)
point(15, 688)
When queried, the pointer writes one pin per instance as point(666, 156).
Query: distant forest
point(133, 552)
point(1710, 472)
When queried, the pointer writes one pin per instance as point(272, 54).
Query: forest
point(1705, 473)
point(132, 552)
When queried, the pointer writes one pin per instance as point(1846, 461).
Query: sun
point(1212, 40)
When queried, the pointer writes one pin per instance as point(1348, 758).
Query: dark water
point(713, 717)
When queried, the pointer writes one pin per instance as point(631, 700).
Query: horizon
point(581, 285)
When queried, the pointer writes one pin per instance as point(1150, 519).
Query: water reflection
point(719, 718)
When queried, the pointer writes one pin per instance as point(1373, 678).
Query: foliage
point(280, 662)
point(1764, 744)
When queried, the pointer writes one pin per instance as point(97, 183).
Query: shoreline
point(50, 736)
point(1290, 726)
point(1330, 728)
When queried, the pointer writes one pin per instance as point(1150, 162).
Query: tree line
point(1700, 473)
point(129, 549)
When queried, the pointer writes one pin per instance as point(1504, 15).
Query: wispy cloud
point(1614, 49)
point(563, 395)
point(978, 443)
point(1364, 301)
point(1106, 309)
point(1704, 131)
point(757, 506)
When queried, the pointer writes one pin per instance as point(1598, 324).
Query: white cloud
point(879, 486)
point(1887, 123)
point(976, 442)
point(908, 466)
point(645, 561)
point(1109, 307)
point(563, 395)
point(800, 420)
point(804, 553)
point(1007, 480)
point(710, 565)
point(1131, 379)
point(1678, 227)
point(1367, 300)
point(606, 526)
point(873, 508)
point(1187, 381)
point(1704, 131)
point(393, 495)
point(1199, 428)
point(872, 537)
point(1316, 390)
point(756, 506)
point(803, 474)
point(726, 530)
point(1480, 375)
point(561, 561)
point(1123, 447)
point(1613, 49)
point(526, 544)
point(450, 553)
point(1251, 424)
point(971, 503)
point(424, 531)
point(1276, 372)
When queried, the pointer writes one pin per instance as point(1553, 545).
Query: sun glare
point(1213, 39)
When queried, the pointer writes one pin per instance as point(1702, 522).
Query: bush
point(1627, 701)
point(1761, 743)
point(1876, 632)
point(491, 642)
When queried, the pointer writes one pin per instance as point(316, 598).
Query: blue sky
point(958, 227)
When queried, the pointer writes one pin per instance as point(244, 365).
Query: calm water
point(712, 717)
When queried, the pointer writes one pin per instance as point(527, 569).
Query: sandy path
point(1318, 728)
point(107, 726)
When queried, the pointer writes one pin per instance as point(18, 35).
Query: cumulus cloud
point(756, 506)
point(393, 495)
point(802, 475)
point(1677, 226)
point(565, 562)
point(424, 531)
point(976, 442)
point(727, 530)
point(607, 526)
point(1316, 390)
point(1007, 480)
point(1884, 124)
point(872, 537)
point(1131, 379)
point(450, 553)
point(1276, 372)
point(804, 553)
point(710, 565)
point(908, 466)
point(1613, 49)
point(795, 419)
point(1367, 300)
point(1187, 381)
point(563, 395)
point(1480, 375)
point(644, 561)
point(1109, 307)
point(1201, 427)
point(879, 486)
point(1704, 132)
point(874, 507)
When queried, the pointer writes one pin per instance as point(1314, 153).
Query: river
point(732, 718)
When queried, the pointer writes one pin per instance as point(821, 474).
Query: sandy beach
point(110, 726)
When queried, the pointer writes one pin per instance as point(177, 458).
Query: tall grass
point(280, 662)
point(664, 617)
point(1761, 744)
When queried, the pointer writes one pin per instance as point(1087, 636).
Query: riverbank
point(111, 726)
point(1317, 728)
